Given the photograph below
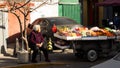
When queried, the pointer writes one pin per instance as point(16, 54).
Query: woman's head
point(37, 28)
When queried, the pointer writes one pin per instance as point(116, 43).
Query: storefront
point(111, 9)
point(91, 14)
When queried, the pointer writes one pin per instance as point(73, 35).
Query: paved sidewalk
point(6, 61)
point(11, 62)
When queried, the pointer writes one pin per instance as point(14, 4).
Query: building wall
point(70, 9)
point(85, 13)
point(3, 31)
point(47, 10)
point(100, 13)
point(14, 26)
point(68, 1)
point(54, 10)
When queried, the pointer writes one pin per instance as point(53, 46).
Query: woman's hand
point(39, 44)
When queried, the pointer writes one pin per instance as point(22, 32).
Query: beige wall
point(44, 11)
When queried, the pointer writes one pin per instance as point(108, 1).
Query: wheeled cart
point(92, 47)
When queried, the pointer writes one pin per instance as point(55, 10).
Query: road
point(70, 61)
point(58, 60)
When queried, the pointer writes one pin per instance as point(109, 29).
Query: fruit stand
point(89, 42)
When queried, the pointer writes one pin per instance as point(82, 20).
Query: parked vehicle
point(90, 43)
point(90, 47)
point(48, 26)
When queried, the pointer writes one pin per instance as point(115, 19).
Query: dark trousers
point(36, 51)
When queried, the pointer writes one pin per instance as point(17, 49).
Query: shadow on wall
point(12, 39)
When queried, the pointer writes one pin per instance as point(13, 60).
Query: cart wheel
point(92, 55)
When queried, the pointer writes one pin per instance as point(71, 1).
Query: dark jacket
point(35, 37)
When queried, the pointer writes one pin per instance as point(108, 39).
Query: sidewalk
point(6, 61)
point(11, 62)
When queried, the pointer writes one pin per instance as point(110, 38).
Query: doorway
point(92, 13)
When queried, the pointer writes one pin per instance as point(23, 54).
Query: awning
point(109, 3)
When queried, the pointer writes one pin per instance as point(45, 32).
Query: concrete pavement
point(8, 61)
point(11, 62)
point(58, 59)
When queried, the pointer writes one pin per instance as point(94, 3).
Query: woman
point(36, 42)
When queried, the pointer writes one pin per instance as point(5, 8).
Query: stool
point(30, 52)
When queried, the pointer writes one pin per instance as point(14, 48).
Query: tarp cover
point(109, 3)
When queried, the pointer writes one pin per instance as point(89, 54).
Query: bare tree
point(23, 7)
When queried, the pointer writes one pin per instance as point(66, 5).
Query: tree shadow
point(12, 39)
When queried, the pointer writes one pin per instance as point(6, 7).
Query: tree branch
point(39, 6)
